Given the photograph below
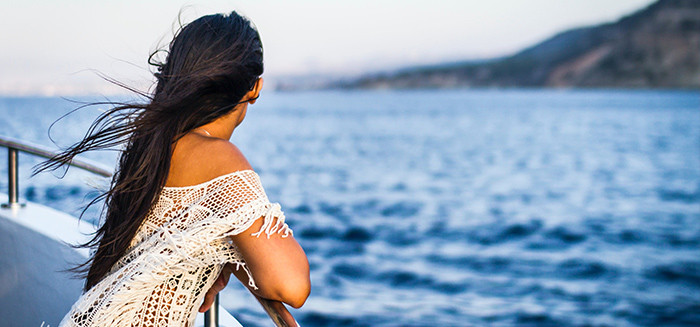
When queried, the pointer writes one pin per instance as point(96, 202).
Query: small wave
point(685, 238)
point(678, 195)
point(565, 235)
point(517, 231)
point(314, 233)
point(678, 240)
point(568, 269)
point(682, 271)
point(348, 249)
point(494, 234)
point(61, 192)
point(357, 234)
point(331, 320)
point(405, 279)
point(349, 270)
point(303, 209)
point(681, 311)
point(30, 193)
point(629, 236)
point(557, 238)
point(333, 210)
point(401, 209)
point(537, 319)
point(400, 238)
point(584, 269)
point(396, 278)
point(365, 207)
point(484, 265)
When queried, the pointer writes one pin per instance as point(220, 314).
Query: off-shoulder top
point(178, 252)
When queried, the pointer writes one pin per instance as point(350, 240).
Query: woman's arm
point(278, 265)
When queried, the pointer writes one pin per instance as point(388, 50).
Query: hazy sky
point(53, 47)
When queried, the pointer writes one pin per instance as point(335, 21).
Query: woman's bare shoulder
point(197, 159)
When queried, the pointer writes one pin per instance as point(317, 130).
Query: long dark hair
point(211, 64)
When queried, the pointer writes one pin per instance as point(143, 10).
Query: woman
point(185, 209)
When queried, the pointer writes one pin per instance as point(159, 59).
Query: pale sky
point(50, 47)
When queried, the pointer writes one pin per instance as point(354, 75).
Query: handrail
point(14, 146)
point(275, 309)
point(45, 152)
point(277, 312)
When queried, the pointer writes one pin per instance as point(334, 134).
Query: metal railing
point(14, 146)
point(275, 309)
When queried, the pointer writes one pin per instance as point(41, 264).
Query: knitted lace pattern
point(177, 254)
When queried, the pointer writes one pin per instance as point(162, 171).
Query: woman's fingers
point(208, 300)
point(217, 287)
point(224, 277)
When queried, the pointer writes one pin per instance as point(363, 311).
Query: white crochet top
point(177, 254)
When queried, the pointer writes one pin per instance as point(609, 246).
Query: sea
point(489, 207)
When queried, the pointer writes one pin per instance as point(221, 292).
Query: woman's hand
point(275, 309)
point(217, 287)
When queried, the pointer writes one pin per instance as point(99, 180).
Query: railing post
point(12, 178)
point(211, 317)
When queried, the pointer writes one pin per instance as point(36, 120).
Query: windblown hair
point(211, 64)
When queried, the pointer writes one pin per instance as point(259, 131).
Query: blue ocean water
point(460, 208)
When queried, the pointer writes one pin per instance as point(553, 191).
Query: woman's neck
point(223, 126)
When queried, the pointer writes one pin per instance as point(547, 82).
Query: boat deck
point(34, 288)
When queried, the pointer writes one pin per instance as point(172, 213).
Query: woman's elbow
point(295, 291)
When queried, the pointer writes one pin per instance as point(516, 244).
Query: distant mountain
point(656, 47)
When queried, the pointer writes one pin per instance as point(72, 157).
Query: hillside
point(656, 47)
